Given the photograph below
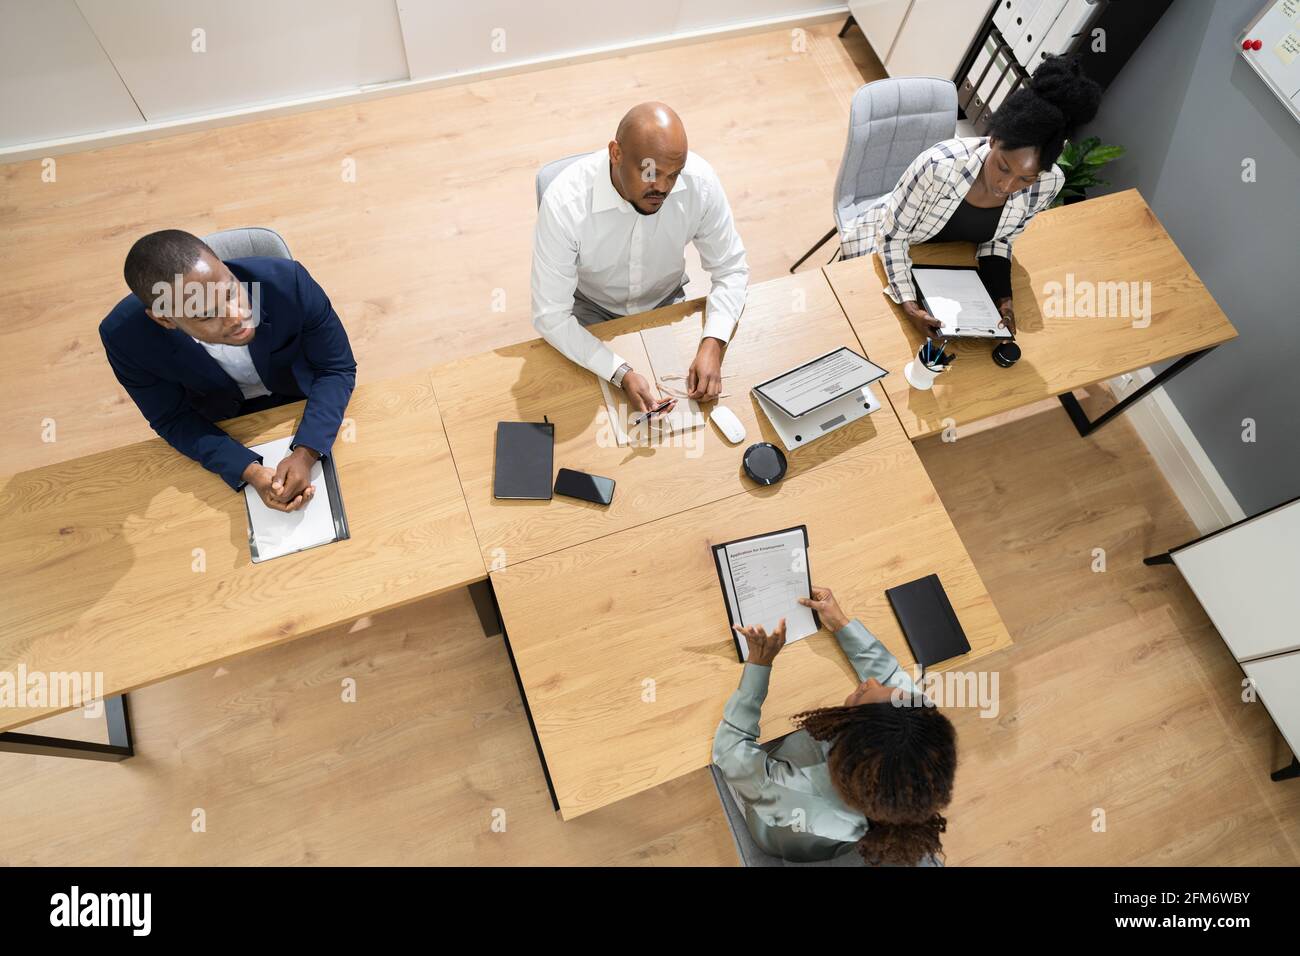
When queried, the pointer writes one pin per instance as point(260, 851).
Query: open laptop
point(820, 396)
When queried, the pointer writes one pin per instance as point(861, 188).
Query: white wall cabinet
point(71, 68)
point(54, 78)
point(935, 36)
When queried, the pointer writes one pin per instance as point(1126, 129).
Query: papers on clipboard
point(272, 534)
point(762, 579)
point(956, 296)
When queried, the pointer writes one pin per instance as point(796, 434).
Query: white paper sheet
point(958, 299)
point(277, 532)
point(763, 578)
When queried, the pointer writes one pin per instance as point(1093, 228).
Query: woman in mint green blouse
point(876, 772)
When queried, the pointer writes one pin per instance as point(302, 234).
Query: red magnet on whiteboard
point(1246, 44)
point(1257, 45)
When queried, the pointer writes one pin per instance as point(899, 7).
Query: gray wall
point(1189, 111)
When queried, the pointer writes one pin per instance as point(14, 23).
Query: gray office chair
point(891, 122)
point(252, 241)
point(749, 852)
point(551, 170)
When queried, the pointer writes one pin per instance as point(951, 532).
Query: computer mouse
point(728, 424)
point(1007, 354)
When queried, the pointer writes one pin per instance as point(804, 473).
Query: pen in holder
point(926, 367)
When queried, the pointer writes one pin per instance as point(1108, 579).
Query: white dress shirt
point(236, 362)
point(591, 239)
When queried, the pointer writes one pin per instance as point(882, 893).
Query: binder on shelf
point(980, 68)
point(1002, 78)
point(1073, 20)
point(1012, 16)
point(1039, 25)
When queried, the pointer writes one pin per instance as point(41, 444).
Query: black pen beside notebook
point(929, 623)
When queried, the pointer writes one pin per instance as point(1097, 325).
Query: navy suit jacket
point(300, 350)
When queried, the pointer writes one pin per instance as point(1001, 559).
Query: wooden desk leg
point(1287, 773)
point(120, 744)
point(1087, 426)
point(485, 603)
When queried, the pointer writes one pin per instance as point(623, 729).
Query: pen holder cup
point(919, 375)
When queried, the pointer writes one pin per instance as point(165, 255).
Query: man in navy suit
point(201, 340)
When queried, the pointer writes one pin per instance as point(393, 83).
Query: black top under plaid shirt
point(926, 196)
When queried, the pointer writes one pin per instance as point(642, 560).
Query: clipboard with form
point(762, 579)
point(955, 295)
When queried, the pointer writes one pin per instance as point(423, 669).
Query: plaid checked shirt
point(925, 198)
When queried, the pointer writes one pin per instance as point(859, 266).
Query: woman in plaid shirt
point(982, 189)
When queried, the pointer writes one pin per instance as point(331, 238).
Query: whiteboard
point(1277, 62)
point(1248, 580)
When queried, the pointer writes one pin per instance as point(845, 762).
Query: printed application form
point(762, 580)
point(958, 299)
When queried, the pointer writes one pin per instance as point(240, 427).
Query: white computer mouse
point(728, 424)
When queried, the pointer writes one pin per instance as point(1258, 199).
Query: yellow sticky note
point(1288, 48)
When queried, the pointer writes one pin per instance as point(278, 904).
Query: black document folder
point(929, 623)
point(524, 460)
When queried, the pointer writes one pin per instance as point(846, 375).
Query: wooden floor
point(1118, 696)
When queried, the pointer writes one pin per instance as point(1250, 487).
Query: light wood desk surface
point(97, 555)
point(591, 625)
point(1108, 239)
point(785, 321)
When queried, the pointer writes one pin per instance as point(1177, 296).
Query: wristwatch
point(617, 378)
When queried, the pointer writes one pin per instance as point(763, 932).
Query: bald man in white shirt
point(611, 236)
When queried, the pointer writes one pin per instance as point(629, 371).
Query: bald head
point(647, 155)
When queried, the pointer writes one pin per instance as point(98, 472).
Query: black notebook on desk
point(524, 461)
point(929, 623)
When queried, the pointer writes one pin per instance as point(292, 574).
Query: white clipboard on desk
point(955, 295)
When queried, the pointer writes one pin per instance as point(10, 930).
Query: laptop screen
point(819, 382)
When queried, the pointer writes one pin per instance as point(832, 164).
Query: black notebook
point(929, 623)
point(524, 466)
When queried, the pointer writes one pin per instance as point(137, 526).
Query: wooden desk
point(1109, 239)
point(590, 625)
point(784, 320)
point(98, 555)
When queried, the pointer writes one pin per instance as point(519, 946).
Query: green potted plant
point(1080, 162)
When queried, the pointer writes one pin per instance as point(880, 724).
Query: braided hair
point(895, 764)
point(1045, 114)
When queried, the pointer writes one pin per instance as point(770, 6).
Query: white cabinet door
point(245, 52)
point(880, 20)
point(55, 81)
point(935, 36)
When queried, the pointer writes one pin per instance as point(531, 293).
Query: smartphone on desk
point(579, 484)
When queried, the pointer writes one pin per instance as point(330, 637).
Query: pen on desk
point(653, 411)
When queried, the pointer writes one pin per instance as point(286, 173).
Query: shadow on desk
point(90, 542)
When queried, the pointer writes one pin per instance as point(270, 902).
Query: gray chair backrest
point(752, 855)
point(891, 122)
point(553, 169)
point(252, 241)
point(749, 852)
